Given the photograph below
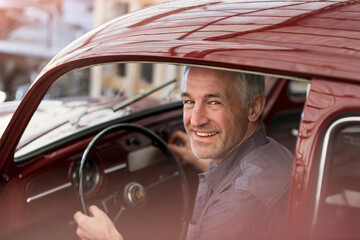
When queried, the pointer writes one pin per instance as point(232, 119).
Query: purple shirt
point(245, 196)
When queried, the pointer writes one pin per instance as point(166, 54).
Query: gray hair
point(249, 86)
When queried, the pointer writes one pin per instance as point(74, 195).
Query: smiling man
point(243, 194)
point(213, 117)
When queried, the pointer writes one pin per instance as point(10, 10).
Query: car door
point(325, 190)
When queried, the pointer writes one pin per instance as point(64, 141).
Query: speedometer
point(91, 176)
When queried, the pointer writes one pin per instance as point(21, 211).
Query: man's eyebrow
point(185, 94)
point(213, 95)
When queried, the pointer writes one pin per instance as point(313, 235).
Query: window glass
point(338, 214)
point(86, 97)
point(298, 89)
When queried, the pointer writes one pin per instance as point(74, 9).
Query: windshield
point(7, 110)
point(86, 97)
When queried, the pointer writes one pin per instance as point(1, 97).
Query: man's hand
point(179, 143)
point(97, 227)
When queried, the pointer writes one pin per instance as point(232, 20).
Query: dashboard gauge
point(91, 176)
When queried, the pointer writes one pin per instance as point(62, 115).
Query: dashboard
point(126, 175)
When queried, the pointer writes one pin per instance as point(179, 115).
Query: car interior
point(122, 163)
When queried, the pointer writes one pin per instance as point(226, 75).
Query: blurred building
point(33, 31)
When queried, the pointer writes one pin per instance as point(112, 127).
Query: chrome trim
point(115, 168)
point(46, 193)
point(322, 163)
point(129, 195)
point(162, 180)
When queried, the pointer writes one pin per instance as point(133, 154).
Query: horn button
point(135, 194)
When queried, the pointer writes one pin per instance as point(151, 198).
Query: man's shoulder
point(270, 157)
point(266, 172)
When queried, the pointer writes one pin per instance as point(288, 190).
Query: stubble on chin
point(203, 150)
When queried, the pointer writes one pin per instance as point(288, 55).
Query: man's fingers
point(174, 137)
point(97, 212)
point(79, 217)
point(94, 210)
point(182, 136)
point(177, 149)
point(178, 136)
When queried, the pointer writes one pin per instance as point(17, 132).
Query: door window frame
point(324, 161)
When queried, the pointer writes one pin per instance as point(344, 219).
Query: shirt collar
point(217, 173)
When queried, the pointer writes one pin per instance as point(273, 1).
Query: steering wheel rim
point(156, 141)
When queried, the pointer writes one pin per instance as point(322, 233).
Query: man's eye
point(188, 102)
point(214, 102)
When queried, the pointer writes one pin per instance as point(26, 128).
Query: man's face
point(213, 114)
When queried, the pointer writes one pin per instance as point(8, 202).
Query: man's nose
point(199, 116)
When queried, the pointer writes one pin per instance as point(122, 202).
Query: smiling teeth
point(205, 134)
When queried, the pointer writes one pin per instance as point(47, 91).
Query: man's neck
point(251, 130)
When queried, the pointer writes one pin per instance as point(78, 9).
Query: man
point(243, 193)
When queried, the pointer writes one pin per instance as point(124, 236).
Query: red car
point(75, 141)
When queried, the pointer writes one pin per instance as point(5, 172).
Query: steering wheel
point(139, 191)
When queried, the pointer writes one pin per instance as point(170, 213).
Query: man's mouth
point(202, 134)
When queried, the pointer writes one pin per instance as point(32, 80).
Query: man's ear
point(256, 108)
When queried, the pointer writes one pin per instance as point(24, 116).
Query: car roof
point(300, 38)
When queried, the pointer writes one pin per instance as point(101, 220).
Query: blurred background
point(34, 31)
